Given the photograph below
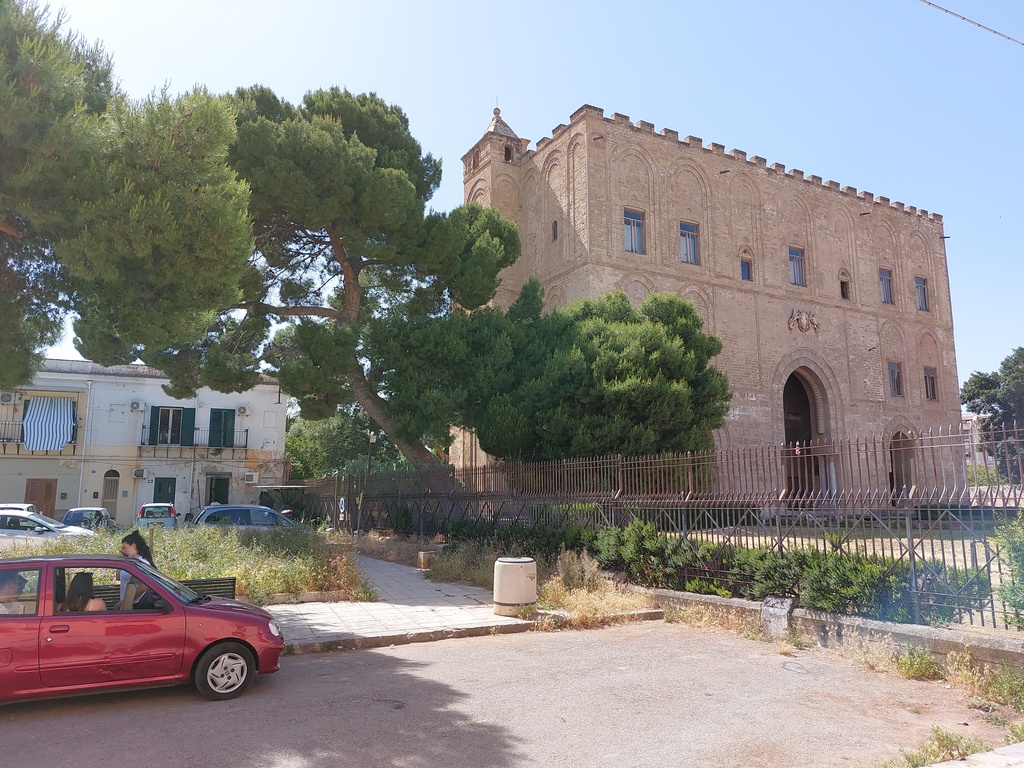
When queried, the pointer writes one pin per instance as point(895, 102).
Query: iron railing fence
point(202, 437)
point(925, 504)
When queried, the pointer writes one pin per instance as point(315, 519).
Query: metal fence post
point(912, 559)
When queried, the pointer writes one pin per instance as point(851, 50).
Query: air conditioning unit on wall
point(137, 405)
point(9, 398)
point(251, 478)
point(140, 474)
point(243, 410)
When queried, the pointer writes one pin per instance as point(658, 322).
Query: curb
point(403, 638)
point(428, 636)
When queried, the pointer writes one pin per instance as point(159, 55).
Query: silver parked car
point(247, 516)
point(26, 521)
point(157, 513)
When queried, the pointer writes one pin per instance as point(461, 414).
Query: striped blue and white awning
point(49, 423)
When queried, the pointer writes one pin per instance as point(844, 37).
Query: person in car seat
point(12, 584)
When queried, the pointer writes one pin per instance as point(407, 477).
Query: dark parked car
point(50, 646)
point(93, 518)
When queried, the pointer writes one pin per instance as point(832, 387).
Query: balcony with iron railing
point(12, 441)
point(201, 438)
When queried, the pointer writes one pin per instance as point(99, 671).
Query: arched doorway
point(111, 487)
point(800, 465)
point(796, 407)
point(901, 466)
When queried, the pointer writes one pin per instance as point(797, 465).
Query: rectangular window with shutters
point(172, 425)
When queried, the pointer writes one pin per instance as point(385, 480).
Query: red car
point(62, 631)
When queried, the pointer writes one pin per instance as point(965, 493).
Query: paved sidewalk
point(409, 609)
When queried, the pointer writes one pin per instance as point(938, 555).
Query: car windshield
point(156, 512)
point(180, 590)
point(46, 522)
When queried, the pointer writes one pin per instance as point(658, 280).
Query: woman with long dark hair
point(135, 547)
point(80, 596)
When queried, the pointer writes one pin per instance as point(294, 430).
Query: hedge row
point(833, 581)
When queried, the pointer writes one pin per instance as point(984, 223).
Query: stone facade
point(121, 441)
point(833, 305)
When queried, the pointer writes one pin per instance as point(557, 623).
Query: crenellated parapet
point(737, 159)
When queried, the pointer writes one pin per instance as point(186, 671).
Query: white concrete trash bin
point(515, 585)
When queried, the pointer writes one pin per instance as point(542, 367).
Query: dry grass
point(704, 616)
point(602, 604)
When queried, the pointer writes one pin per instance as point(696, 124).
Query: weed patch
point(918, 664)
point(941, 746)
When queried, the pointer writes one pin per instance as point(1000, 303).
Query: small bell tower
point(498, 152)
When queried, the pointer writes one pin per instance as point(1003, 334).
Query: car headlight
point(275, 630)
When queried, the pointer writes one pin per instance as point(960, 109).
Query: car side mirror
point(161, 605)
point(39, 529)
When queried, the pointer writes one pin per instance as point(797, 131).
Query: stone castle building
point(833, 305)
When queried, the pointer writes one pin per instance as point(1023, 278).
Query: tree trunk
point(434, 473)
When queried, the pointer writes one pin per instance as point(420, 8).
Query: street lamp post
point(369, 450)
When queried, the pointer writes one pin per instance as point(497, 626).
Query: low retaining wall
point(834, 630)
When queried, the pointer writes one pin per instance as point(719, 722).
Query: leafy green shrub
point(841, 583)
point(401, 521)
point(652, 559)
point(1010, 536)
point(706, 587)
point(470, 530)
point(763, 572)
point(608, 548)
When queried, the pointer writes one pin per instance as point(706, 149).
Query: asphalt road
point(649, 694)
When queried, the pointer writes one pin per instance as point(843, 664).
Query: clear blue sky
point(890, 96)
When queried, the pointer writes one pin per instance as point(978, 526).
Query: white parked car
point(26, 521)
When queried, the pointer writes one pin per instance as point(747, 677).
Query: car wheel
point(224, 671)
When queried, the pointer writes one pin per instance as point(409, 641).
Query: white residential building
point(82, 434)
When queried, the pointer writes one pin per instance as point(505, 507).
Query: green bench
point(219, 587)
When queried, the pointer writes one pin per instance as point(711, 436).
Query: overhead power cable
point(971, 21)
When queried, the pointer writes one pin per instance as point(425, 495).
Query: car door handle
point(59, 628)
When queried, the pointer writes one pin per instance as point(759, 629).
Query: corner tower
point(492, 174)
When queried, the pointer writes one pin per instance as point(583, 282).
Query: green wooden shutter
point(229, 428)
point(217, 428)
point(154, 425)
point(188, 426)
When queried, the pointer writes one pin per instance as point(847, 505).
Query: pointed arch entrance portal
point(901, 463)
point(806, 470)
